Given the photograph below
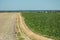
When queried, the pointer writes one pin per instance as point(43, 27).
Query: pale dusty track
point(7, 26)
point(28, 32)
point(20, 30)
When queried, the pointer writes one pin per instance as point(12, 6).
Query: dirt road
point(28, 32)
point(23, 35)
point(7, 26)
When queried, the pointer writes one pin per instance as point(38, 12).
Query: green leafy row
point(46, 24)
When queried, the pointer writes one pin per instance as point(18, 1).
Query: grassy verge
point(46, 24)
point(19, 36)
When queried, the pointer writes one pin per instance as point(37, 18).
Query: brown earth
point(7, 26)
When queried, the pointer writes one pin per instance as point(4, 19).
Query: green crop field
point(45, 24)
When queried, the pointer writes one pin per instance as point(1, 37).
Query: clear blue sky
point(29, 4)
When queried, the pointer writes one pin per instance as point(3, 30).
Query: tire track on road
point(19, 29)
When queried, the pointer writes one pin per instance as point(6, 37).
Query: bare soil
point(7, 26)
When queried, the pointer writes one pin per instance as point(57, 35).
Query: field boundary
point(28, 32)
point(19, 29)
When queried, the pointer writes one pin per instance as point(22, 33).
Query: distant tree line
point(38, 11)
